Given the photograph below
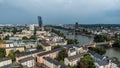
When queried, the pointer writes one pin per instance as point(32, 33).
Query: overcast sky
point(60, 11)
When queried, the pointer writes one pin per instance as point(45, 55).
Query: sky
point(60, 11)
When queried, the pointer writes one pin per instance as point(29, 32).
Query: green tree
point(2, 52)
point(6, 37)
point(99, 50)
point(14, 31)
point(12, 55)
point(32, 37)
point(115, 58)
point(39, 47)
point(72, 41)
point(61, 55)
point(101, 38)
point(86, 62)
point(17, 52)
point(55, 47)
point(117, 43)
point(24, 38)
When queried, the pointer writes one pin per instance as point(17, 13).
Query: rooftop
point(6, 66)
point(26, 59)
point(55, 62)
point(4, 59)
point(52, 61)
point(48, 52)
point(75, 57)
point(28, 53)
point(102, 62)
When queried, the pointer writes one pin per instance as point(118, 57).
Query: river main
point(110, 52)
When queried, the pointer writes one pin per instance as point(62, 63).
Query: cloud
point(68, 11)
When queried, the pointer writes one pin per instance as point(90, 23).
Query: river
point(110, 52)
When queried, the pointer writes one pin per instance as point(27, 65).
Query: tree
point(55, 47)
point(115, 58)
point(39, 47)
point(101, 38)
point(24, 38)
point(6, 37)
point(12, 55)
point(72, 41)
point(2, 52)
point(14, 31)
point(32, 37)
point(117, 43)
point(99, 50)
point(17, 52)
point(62, 54)
point(86, 62)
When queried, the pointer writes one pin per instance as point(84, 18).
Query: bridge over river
point(108, 44)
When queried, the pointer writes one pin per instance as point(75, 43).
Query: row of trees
point(58, 33)
point(117, 40)
point(72, 41)
point(55, 47)
point(117, 43)
point(101, 38)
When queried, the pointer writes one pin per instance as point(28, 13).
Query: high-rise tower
point(40, 21)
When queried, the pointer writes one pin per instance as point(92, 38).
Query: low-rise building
point(52, 54)
point(52, 63)
point(19, 43)
point(72, 60)
point(101, 61)
point(8, 49)
point(45, 45)
point(28, 54)
point(71, 52)
point(29, 62)
point(79, 49)
point(5, 62)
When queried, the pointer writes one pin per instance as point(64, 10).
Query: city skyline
point(60, 11)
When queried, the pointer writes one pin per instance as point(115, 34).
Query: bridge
point(108, 44)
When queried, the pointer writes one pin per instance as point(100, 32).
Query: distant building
point(76, 29)
point(40, 21)
point(5, 63)
point(32, 27)
point(76, 25)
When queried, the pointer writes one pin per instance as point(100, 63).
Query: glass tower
point(40, 21)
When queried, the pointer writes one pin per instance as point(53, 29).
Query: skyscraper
point(40, 21)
